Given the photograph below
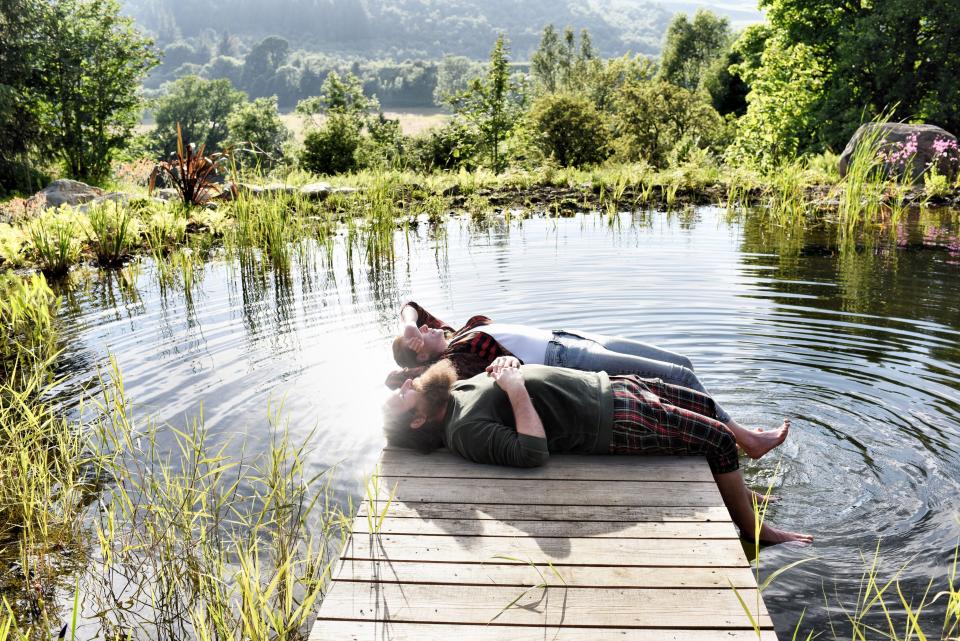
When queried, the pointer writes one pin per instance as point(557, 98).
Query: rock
point(271, 189)
point(113, 197)
point(908, 150)
point(167, 193)
point(64, 192)
point(316, 191)
point(344, 191)
point(453, 190)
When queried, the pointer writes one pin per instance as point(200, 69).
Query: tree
point(91, 79)
point(562, 65)
point(492, 104)
point(200, 107)
point(21, 51)
point(257, 125)
point(545, 63)
point(652, 117)
point(261, 64)
point(332, 149)
point(569, 128)
point(691, 47)
point(454, 74)
point(855, 60)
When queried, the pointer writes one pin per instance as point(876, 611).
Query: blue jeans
point(616, 355)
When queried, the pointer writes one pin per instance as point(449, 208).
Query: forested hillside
point(422, 28)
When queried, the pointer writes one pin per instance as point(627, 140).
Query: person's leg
point(739, 500)
point(643, 424)
point(636, 348)
point(754, 443)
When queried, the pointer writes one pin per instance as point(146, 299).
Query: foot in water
point(756, 443)
point(770, 534)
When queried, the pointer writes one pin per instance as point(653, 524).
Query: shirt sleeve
point(426, 318)
point(499, 444)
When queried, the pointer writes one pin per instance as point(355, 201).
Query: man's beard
point(435, 384)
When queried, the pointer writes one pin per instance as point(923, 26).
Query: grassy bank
point(53, 241)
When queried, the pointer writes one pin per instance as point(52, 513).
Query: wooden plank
point(574, 576)
point(508, 512)
point(533, 492)
point(543, 529)
point(391, 631)
point(554, 606)
point(400, 463)
point(613, 552)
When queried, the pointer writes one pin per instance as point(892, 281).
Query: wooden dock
point(583, 549)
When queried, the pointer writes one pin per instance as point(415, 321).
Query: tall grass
point(114, 232)
point(27, 335)
point(55, 235)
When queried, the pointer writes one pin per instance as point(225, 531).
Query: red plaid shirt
point(469, 349)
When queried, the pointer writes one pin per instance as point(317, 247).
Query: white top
point(529, 344)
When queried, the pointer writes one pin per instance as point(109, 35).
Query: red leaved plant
point(190, 171)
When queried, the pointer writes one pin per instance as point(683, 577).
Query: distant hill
point(424, 28)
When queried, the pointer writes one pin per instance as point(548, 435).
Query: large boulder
point(64, 192)
point(907, 151)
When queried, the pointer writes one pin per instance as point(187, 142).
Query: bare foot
point(756, 443)
point(760, 498)
point(770, 534)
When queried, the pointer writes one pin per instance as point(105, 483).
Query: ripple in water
point(860, 349)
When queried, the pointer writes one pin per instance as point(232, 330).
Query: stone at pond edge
point(271, 189)
point(316, 191)
point(64, 192)
point(893, 138)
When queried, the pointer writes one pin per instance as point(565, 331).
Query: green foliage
point(338, 94)
point(652, 117)
point(27, 307)
point(692, 47)
point(852, 63)
point(114, 232)
point(199, 108)
point(561, 64)
point(55, 235)
point(256, 133)
point(385, 144)
point(454, 74)
point(569, 129)
point(261, 64)
point(492, 105)
point(448, 147)
point(332, 148)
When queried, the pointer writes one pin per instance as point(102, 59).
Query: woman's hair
point(404, 356)
point(434, 384)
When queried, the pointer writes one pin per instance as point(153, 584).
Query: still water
point(860, 348)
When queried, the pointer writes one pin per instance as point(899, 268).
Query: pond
point(860, 347)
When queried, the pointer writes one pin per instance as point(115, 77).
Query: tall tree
point(92, 77)
point(691, 47)
point(493, 104)
point(545, 63)
point(200, 107)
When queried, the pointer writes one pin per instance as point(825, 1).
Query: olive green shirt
point(576, 409)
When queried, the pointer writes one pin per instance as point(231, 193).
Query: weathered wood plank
point(614, 552)
point(574, 576)
point(391, 631)
point(554, 606)
point(443, 463)
point(564, 529)
point(533, 492)
point(508, 512)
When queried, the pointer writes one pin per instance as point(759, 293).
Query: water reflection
point(859, 347)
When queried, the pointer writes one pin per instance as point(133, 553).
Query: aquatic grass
point(55, 238)
point(13, 241)
point(114, 231)
point(28, 338)
point(862, 189)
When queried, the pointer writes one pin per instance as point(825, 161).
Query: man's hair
point(434, 384)
point(404, 356)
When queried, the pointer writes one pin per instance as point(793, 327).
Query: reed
point(114, 231)
point(55, 238)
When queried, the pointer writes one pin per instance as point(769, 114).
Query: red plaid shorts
point(653, 417)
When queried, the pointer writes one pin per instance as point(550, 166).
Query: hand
point(503, 362)
point(413, 337)
point(510, 380)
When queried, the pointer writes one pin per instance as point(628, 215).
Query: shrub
point(652, 116)
point(199, 108)
point(190, 171)
point(332, 148)
point(570, 129)
point(448, 147)
point(385, 146)
point(257, 133)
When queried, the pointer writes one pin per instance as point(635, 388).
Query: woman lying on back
point(425, 339)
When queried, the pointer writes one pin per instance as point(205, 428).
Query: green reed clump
point(862, 189)
point(203, 545)
point(27, 336)
point(114, 232)
point(55, 236)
